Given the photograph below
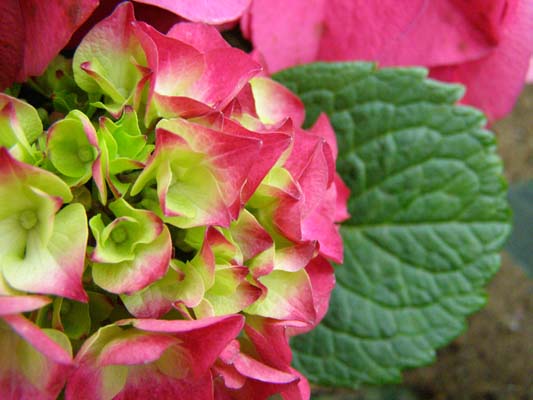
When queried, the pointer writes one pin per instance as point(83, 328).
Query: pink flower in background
point(211, 12)
point(485, 45)
point(33, 32)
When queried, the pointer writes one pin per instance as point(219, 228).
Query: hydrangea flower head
point(185, 202)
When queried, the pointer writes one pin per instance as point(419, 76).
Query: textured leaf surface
point(429, 217)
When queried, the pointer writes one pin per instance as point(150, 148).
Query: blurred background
point(493, 360)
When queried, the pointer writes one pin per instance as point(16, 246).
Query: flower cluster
point(170, 226)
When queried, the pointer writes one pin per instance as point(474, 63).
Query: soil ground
point(493, 360)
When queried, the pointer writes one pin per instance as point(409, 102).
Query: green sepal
point(117, 241)
point(72, 148)
point(57, 83)
point(20, 127)
point(124, 149)
point(71, 317)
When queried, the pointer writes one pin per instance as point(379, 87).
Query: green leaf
point(428, 219)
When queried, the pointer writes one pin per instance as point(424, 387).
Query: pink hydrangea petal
point(495, 81)
point(13, 170)
point(137, 382)
point(286, 208)
point(483, 44)
point(319, 225)
point(204, 339)
point(260, 380)
point(311, 164)
point(169, 58)
point(182, 285)
point(151, 263)
point(219, 92)
point(413, 33)
point(198, 72)
point(22, 120)
point(256, 370)
point(146, 383)
point(221, 149)
point(179, 106)
point(494, 76)
point(176, 196)
point(114, 67)
point(286, 33)
point(322, 278)
point(88, 382)
point(38, 339)
point(261, 265)
point(295, 257)
point(33, 33)
point(231, 379)
point(150, 303)
point(243, 296)
point(250, 236)
point(203, 11)
point(181, 353)
point(40, 272)
point(287, 217)
point(251, 389)
point(243, 105)
point(301, 391)
point(265, 332)
point(12, 37)
point(342, 195)
point(18, 304)
point(68, 246)
point(322, 127)
point(48, 29)
point(252, 368)
point(200, 36)
point(57, 267)
point(289, 297)
point(275, 103)
point(273, 145)
point(529, 77)
point(14, 385)
point(270, 339)
point(133, 350)
point(38, 368)
point(205, 258)
point(488, 17)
